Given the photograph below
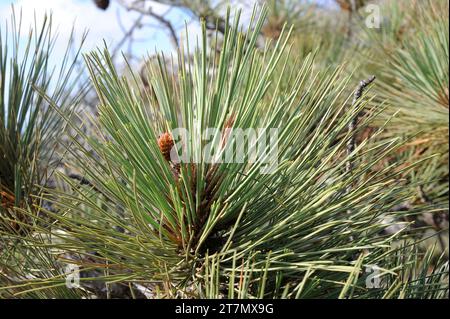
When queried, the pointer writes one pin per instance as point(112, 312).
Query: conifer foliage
point(151, 214)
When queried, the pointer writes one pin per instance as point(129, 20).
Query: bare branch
point(352, 125)
point(158, 17)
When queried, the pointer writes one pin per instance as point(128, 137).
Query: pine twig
point(352, 125)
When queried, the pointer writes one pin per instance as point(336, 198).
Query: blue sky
point(84, 15)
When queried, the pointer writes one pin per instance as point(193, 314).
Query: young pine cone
point(165, 143)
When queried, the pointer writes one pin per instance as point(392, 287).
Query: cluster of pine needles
point(356, 207)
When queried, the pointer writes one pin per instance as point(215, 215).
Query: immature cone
point(165, 143)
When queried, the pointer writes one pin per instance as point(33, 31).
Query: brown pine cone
point(165, 143)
